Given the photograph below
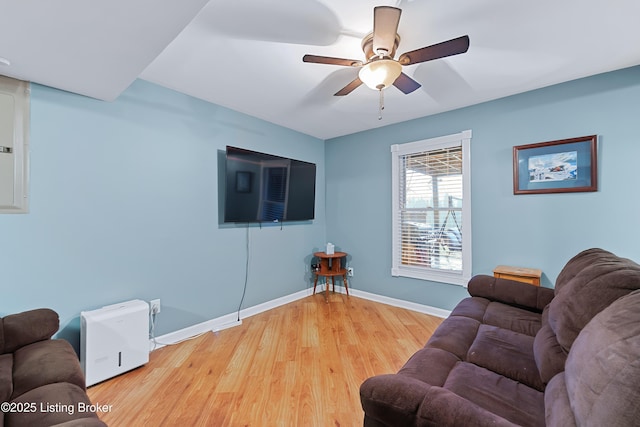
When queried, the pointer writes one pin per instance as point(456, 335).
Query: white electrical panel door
point(6, 150)
point(14, 151)
point(114, 339)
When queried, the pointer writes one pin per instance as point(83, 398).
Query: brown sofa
point(516, 354)
point(41, 382)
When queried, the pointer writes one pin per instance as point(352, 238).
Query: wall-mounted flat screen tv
point(262, 187)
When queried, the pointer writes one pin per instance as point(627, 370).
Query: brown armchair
point(41, 381)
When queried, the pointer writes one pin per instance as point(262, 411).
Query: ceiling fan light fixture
point(380, 74)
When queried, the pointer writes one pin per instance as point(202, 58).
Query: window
point(432, 209)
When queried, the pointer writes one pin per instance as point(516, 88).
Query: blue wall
point(541, 231)
point(124, 200)
point(124, 204)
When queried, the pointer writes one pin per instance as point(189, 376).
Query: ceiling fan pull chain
point(381, 105)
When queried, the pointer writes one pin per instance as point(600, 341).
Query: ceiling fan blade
point(406, 84)
point(332, 61)
point(349, 88)
point(436, 51)
point(385, 28)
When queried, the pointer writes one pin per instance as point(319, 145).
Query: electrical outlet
point(350, 271)
point(154, 306)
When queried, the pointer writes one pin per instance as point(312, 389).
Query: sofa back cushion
point(574, 266)
point(547, 352)
point(589, 282)
point(602, 371)
point(27, 327)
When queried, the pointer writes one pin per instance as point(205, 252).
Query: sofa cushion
point(45, 362)
point(430, 365)
point(497, 394)
point(556, 404)
point(602, 372)
point(28, 327)
point(548, 354)
point(443, 408)
point(455, 335)
point(589, 282)
point(507, 353)
point(56, 403)
point(512, 318)
point(499, 314)
point(471, 307)
point(6, 377)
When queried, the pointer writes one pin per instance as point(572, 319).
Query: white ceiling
point(247, 54)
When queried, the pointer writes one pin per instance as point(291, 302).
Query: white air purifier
point(114, 339)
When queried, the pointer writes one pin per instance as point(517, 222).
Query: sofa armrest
point(394, 399)
point(31, 326)
point(510, 292)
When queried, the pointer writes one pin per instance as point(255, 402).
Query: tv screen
point(262, 187)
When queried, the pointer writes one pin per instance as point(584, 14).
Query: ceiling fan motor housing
point(367, 47)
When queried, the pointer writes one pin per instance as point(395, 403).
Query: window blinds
point(430, 211)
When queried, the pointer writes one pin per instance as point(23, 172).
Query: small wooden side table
point(520, 274)
point(330, 266)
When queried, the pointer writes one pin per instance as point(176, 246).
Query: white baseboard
point(214, 325)
point(420, 308)
point(230, 320)
point(223, 322)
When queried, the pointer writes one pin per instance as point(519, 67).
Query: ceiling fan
point(381, 70)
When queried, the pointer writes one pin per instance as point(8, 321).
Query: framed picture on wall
point(563, 166)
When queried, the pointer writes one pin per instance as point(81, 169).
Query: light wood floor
point(297, 365)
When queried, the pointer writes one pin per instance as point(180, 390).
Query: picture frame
point(243, 181)
point(562, 166)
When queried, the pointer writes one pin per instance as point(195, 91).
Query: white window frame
point(462, 139)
